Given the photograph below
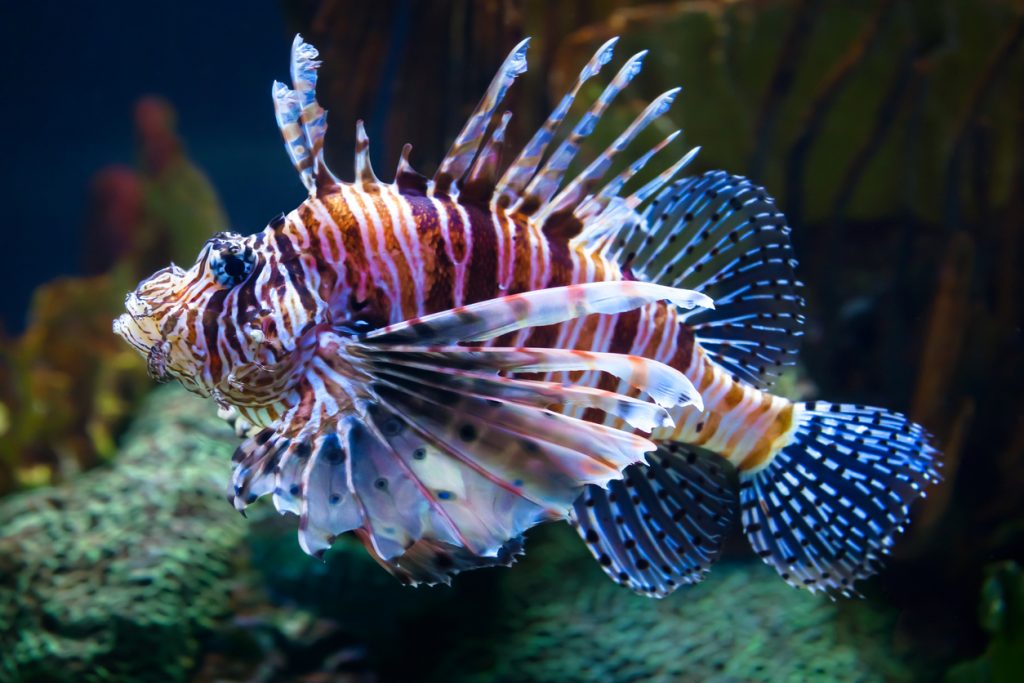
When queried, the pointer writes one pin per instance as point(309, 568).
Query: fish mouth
point(137, 325)
point(126, 328)
point(138, 333)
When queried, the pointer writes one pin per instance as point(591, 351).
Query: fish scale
point(437, 365)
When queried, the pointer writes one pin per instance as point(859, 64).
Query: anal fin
point(662, 525)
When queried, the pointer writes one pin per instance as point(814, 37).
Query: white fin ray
point(520, 171)
point(583, 184)
point(549, 177)
point(467, 143)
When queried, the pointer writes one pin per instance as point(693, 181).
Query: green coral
point(116, 577)
point(560, 619)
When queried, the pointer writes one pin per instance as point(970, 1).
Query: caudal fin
point(827, 508)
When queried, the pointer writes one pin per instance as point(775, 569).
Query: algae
point(560, 619)
point(116, 576)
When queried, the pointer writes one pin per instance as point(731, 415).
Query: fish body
point(439, 364)
point(401, 254)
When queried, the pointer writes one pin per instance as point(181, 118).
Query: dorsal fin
point(408, 180)
point(478, 185)
point(364, 171)
point(468, 142)
point(520, 171)
point(597, 203)
point(607, 214)
point(583, 184)
point(549, 177)
point(536, 184)
point(303, 122)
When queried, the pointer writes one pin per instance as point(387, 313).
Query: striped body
point(385, 256)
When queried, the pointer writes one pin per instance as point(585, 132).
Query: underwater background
point(891, 133)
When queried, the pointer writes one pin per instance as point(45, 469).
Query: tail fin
point(825, 510)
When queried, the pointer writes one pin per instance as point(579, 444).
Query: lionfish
point(438, 365)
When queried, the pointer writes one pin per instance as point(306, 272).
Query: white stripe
point(404, 224)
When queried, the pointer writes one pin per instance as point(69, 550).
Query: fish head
point(187, 323)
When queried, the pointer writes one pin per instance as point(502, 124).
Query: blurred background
point(891, 133)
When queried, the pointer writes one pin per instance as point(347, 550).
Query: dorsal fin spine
point(549, 178)
point(467, 142)
point(303, 122)
point(583, 184)
point(288, 114)
point(407, 179)
point(593, 206)
point(485, 167)
point(403, 161)
point(528, 161)
point(364, 171)
point(304, 69)
point(665, 177)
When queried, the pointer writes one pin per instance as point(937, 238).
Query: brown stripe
point(351, 240)
point(482, 275)
point(560, 265)
point(521, 275)
point(683, 355)
point(231, 331)
point(438, 268)
point(732, 397)
point(763, 449)
point(626, 326)
point(292, 263)
point(319, 251)
point(456, 230)
point(367, 301)
point(710, 426)
point(211, 315)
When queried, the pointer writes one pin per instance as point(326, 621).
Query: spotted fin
point(457, 456)
point(825, 510)
point(662, 525)
point(722, 235)
point(430, 562)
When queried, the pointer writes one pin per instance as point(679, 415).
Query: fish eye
point(230, 261)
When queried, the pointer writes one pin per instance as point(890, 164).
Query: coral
point(560, 619)
point(138, 571)
point(116, 576)
point(67, 385)
point(70, 384)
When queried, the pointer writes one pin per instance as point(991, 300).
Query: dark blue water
point(73, 71)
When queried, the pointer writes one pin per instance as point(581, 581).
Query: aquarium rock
point(116, 575)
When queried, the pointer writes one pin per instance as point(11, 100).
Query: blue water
point(73, 71)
